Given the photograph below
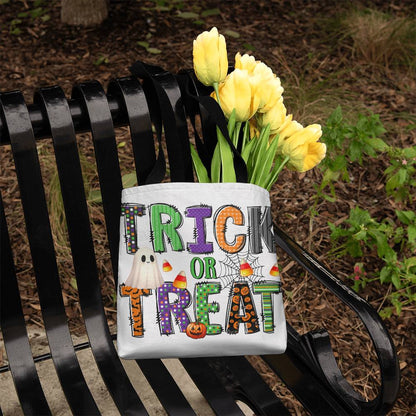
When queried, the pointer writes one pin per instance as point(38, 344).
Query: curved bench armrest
point(318, 346)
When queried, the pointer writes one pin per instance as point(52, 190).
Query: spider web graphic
point(230, 268)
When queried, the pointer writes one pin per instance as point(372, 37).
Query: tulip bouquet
point(250, 97)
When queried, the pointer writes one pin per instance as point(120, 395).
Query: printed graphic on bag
point(197, 271)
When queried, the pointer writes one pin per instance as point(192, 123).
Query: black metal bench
point(308, 367)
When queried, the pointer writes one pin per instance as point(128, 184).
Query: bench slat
point(221, 401)
point(129, 92)
point(165, 387)
point(250, 386)
point(72, 188)
point(43, 255)
point(19, 354)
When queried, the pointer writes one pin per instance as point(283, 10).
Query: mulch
point(285, 34)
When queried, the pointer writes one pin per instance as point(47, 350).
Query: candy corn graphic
point(180, 281)
point(245, 268)
point(274, 271)
point(166, 266)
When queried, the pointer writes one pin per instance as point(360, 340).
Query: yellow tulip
point(276, 116)
point(210, 57)
point(238, 91)
point(303, 149)
point(287, 129)
point(269, 90)
point(246, 62)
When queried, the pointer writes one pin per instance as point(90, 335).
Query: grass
point(311, 94)
point(381, 40)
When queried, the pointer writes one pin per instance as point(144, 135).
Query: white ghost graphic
point(145, 273)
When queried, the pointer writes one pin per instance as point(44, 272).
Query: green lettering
point(167, 228)
point(266, 289)
point(196, 275)
point(210, 272)
point(203, 308)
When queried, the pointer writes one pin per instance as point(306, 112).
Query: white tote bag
point(198, 272)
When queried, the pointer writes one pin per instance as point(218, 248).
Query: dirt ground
point(296, 40)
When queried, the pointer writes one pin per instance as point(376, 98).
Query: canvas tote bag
point(198, 273)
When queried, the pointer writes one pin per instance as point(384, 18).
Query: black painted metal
point(130, 93)
point(168, 392)
point(308, 367)
point(243, 381)
point(79, 117)
point(13, 327)
point(221, 401)
point(43, 255)
point(317, 349)
point(93, 99)
point(72, 187)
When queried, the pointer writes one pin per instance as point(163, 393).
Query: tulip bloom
point(287, 129)
point(276, 116)
point(238, 91)
point(246, 62)
point(210, 57)
point(303, 149)
point(269, 90)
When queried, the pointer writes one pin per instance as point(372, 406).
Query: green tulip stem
point(276, 172)
point(236, 133)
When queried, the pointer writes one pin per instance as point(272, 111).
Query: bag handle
point(216, 117)
point(167, 113)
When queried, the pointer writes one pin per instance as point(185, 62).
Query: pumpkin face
point(196, 330)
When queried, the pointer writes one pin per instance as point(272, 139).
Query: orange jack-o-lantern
point(196, 330)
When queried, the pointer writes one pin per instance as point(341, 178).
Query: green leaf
point(266, 164)
point(200, 169)
point(409, 152)
point(402, 173)
point(211, 12)
point(385, 274)
point(260, 153)
point(101, 60)
point(232, 34)
point(154, 51)
point(226, 155)
point(386, 313)
point(231, 124)
point(45, 17)
point(410, 263)
point(129, 180)
point(379, 144)
point(216, 165)
point(245, 154)
point(383, 248)
point(249, 47)
point(143, 43)
point(411, 234)
point(395, 278)
point(353, 247)
point(188, 15)
point(336, 116)
point(406, 217)
point(37, 12)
